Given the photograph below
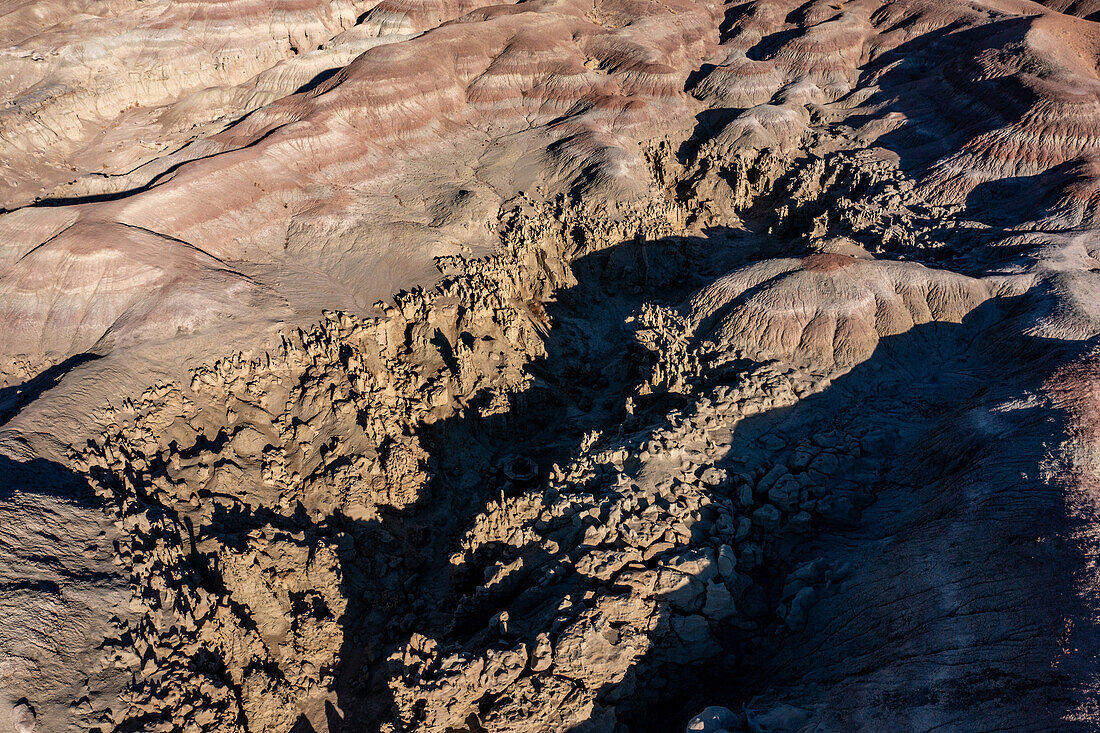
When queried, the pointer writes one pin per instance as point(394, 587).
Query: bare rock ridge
point(626, 365)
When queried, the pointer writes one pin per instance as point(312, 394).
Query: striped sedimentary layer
point(556, 364)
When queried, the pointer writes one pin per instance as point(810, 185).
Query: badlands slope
point(563, 365)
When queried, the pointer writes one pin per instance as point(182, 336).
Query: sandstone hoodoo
point(555, 365)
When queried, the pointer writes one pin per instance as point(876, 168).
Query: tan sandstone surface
point(559, 365)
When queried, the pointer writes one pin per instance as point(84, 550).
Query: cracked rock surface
point(559, 365)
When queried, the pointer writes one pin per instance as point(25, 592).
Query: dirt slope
point(549, 366)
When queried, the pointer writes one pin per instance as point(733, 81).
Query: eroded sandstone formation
point(549, 366)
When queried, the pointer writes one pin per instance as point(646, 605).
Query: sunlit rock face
point(556, 365)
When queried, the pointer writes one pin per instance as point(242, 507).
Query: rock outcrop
point(553, 365)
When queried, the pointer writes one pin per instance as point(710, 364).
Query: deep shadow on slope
point(935, 81)
point(396, 575)
point(398, 579)
point(994, 651)
point(16, 397)
point(38, 481)
point(960, 572)
point(58, 588)
point(948, 100)
point(581, 385)
point(937, 87)
point(920, 384)
point(43, 477)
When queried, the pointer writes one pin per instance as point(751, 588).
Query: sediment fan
point(561, 365)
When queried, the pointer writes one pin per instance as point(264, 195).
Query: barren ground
point(563, 365)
